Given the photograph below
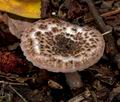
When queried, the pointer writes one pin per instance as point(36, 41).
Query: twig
point(96, 16)
point(11, 83)
point(110, 45)
point(81, 97)
point(107, 32)
point(45, 8)
point(107, 14)
point(18, 94)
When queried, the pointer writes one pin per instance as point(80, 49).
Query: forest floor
point(20, 81)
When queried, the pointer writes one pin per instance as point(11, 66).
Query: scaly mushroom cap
point(58, 46)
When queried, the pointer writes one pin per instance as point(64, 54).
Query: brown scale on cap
point(59, 46)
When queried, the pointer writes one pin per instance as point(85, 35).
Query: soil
point(20, 81)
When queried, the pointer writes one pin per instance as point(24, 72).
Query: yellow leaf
point(24, 8)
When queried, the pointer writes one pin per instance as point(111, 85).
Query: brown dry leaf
point(54, 84)
point(24, 8)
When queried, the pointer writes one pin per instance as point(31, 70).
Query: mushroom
point(58, 46)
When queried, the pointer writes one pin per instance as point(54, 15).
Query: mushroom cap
point(58, 46)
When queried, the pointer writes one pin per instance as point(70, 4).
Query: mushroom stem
point(74, 80)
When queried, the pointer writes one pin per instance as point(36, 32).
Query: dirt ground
point(21, 81)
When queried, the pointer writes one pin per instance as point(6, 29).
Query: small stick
point(107, 14)
point(45, 8)
point(96, 16)
point(110, 45)
point(11, 83)
point(18, 94)
point(107, 32)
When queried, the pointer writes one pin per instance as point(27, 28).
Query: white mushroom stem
point(73, 80)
